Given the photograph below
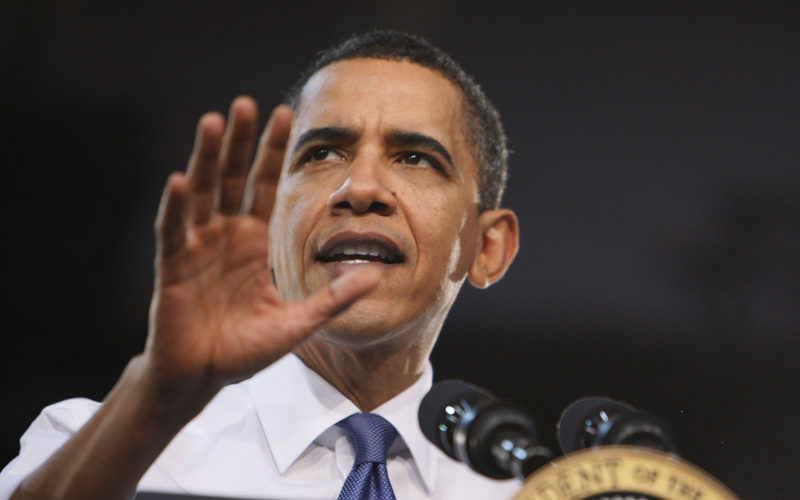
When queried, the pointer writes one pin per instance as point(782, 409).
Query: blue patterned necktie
point(368, 480)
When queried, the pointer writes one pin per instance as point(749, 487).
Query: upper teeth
point(372, 249)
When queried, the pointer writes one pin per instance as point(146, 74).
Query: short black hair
point(484, 129)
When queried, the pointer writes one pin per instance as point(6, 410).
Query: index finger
point(266, 171)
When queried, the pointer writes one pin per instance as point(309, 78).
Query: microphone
point(597, 421)
point(492, 436)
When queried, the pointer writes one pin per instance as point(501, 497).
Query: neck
point(367, 375)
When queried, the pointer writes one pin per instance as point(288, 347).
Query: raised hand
point(216, 316)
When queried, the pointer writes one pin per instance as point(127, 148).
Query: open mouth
point(360, 252)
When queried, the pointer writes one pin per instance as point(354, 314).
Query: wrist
point(168, 402)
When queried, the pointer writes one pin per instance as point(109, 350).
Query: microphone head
point(441, 409)
point(571, 426)
point(492, 436)
point(597, 421)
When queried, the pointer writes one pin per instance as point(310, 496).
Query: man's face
point(378, 172)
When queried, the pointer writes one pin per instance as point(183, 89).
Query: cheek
point(290, 228)
point(443, 237)
point(463, 250)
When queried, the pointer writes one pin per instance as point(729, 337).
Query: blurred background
point(655, 172)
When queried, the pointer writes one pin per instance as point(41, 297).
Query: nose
point(365, 189)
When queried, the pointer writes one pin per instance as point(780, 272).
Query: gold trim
point(622, 469)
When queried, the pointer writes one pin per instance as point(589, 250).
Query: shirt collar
point(402, 411)
point(295, 405)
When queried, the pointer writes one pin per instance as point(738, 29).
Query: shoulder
point(65, 417)
point(456, 480)
point(51, 429)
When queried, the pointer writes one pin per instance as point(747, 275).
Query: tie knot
point(372, 436)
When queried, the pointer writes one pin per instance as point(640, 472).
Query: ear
point(498, 246)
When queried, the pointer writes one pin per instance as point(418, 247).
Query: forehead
point(367, 94)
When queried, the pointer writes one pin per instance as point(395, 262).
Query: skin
point(217, 317)
point(373, 183)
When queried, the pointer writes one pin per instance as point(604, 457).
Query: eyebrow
point(417, 140)
point(324, 134)
point(399, 137)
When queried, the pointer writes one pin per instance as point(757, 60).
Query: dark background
point(654, 171)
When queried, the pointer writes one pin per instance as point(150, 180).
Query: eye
point(320, 154)
point(413, 158)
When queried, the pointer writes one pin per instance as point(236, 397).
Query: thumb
point(339, 295)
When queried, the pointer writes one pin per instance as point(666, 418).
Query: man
point(316, 297)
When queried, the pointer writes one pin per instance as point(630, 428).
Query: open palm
point(216, 316)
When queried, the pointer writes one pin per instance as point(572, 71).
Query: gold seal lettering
point(616, 470)
point(645, 474)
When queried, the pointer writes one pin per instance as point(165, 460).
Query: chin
point(365, 327)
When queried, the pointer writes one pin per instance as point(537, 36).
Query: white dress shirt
point(274, 436)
